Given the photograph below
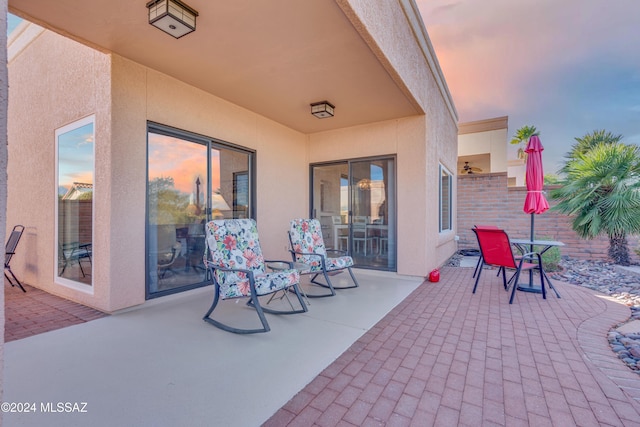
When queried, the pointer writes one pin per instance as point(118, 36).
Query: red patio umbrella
point(535, 202)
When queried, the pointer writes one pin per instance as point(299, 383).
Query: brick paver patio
point(447, 357)
point(36, 311)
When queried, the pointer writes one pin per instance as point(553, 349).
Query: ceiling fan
point(470, 169)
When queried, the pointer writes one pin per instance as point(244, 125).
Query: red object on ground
point(434, 276)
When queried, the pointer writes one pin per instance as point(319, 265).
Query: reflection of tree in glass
point(166, 204)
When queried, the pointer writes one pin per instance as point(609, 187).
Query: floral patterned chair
point(236, 265)
point(307, 247)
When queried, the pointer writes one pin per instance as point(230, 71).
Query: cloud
point(183, 161)
point(568, 67)
point(499, 52)
point(445, 8)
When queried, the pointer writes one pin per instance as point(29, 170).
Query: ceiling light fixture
point(172, 16)
point(364, 184)
point(322, 109)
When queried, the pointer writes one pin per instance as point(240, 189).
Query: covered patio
point(223, 113)
point(395, 351)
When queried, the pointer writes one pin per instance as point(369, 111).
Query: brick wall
point(486, 200)
point(77, 217)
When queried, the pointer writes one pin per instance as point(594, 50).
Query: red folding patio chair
point(495, 250)
point(479, 263)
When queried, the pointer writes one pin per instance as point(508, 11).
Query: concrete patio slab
point(469, 261)
point(161, 365)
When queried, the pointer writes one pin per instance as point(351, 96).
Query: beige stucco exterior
point(483, 146)
point(59, 81)
point(3, 171)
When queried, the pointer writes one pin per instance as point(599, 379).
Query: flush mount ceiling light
point(172, 16)
point(322, 109)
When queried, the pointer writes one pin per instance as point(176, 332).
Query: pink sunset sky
point(171, 157)
point(566, 67)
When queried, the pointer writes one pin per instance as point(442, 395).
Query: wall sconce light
point(322, 109)
point(172, 16)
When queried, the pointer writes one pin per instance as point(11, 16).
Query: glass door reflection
point(191, 180)
point(331, 203)
point(373, 238)
point(177, 200)
point(355, 204)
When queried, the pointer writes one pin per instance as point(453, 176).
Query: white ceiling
point(272, 57)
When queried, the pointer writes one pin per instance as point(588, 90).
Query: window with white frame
point(445, 199)
point(75, 154)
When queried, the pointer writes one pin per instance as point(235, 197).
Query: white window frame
point(89, 289)
point(441, 171)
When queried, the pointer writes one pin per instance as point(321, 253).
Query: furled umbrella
point(535, 202)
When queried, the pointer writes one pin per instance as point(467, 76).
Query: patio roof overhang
point(273, 58)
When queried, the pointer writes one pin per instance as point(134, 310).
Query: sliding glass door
point(191, 180)
point(355, 203)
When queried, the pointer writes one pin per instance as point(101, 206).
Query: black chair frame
point(324, 272)
point(77, 252)
point(163, 267)
point(253, 301)
point(9, 252)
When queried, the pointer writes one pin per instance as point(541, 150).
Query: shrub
point(551, 258)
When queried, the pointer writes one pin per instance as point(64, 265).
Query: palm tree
point(589, 141)
point(552, 179)
point(602, 193)
point(522, 135)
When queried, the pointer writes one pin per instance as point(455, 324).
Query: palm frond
point(602, 187)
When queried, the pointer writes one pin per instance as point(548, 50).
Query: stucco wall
point(397, 35)
point(442, 148)
point(281, 153)
point(418, 157)
point(88, 82)
point(3, 167)
point(404, 138)
point(492, 142)
point(71, 83)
